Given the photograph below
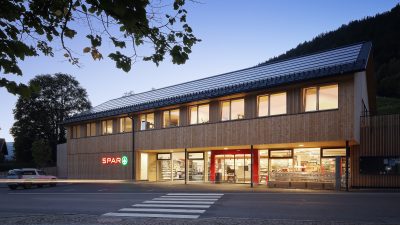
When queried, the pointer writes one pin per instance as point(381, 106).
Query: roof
point(346, 59)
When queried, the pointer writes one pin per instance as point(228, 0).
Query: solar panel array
point(339, 56)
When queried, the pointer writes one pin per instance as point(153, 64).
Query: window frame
point(197, 113)
point(89, 129)
point(230, 108)
point(269, 103)
point(169, 118)
point(146, 120)
point(76, 132)
point(102, 127)
point(317, 96)
point(124, 124)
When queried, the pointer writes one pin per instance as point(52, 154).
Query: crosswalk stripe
point(180, 202)
point(162, 210)
point(186, 199)
point(186, 194)
point(153, 215)
point(172, 206)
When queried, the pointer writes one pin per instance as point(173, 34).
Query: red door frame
point(234, 152)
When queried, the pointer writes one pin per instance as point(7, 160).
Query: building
point(285, 124)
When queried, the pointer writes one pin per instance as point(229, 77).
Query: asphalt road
point(232, 202)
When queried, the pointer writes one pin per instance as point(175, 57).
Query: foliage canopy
point(30, 28)
point(40, 116)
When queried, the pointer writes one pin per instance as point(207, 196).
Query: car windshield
point(41, 172)
point(29, 172)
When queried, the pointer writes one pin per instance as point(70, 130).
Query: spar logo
point(115, 160)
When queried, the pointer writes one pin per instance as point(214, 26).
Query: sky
point(234, 34)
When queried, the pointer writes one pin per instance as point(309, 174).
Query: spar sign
point(114, 160)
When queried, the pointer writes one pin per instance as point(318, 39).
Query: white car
point(27, 177)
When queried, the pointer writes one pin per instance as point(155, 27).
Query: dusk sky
point(234, 36)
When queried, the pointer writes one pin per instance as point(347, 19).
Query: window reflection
point(199, 114)
point(310, 99)
point(263, 105)
point(328, 97)
point(226, 105)
point(237, 109)
point(278, 104)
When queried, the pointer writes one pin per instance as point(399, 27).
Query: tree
point(39, 117)
point(41, 152)
point(30, 28)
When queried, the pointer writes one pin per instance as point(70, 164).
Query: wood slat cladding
point(379, 136)
point(332, 125)
point(84, 156)
point(305, 127)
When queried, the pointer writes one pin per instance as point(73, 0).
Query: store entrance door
point(233, 168)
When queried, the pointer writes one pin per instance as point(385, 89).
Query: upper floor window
point(199, 114)
point(76, 131)
point(147, 121)
point(232, 109)
point(90, 129)
point(171, 118)
point(106, 127)
point(125, 124)
point(321, 98)
point(272, 104)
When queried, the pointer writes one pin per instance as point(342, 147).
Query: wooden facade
point(380, 136)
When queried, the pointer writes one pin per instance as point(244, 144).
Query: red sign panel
point(111, 160)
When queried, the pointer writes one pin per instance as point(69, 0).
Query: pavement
point(171, 203)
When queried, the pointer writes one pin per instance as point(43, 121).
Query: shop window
point(90, 129)
point(307, 160)
point(273, 104)
point(147, 121)
point(263, 166)
point(333, 152)
point(321, 98)
point(199, 114)
point(106, 127)
point(125, 124)
point(281, 153)
point(76, 131)
point(171, 118)
point(232, 109)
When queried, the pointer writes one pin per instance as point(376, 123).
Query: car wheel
point(27, 186)
point(12, 187)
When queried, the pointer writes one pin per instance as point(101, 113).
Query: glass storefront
point(234, 166)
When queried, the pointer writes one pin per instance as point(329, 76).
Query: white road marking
point(162, 210)
point(179, 202)
point(186, 194)
point(153, 215)
point(172, 206)
point(187, 199)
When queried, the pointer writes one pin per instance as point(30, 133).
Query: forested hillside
point(384, 32)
